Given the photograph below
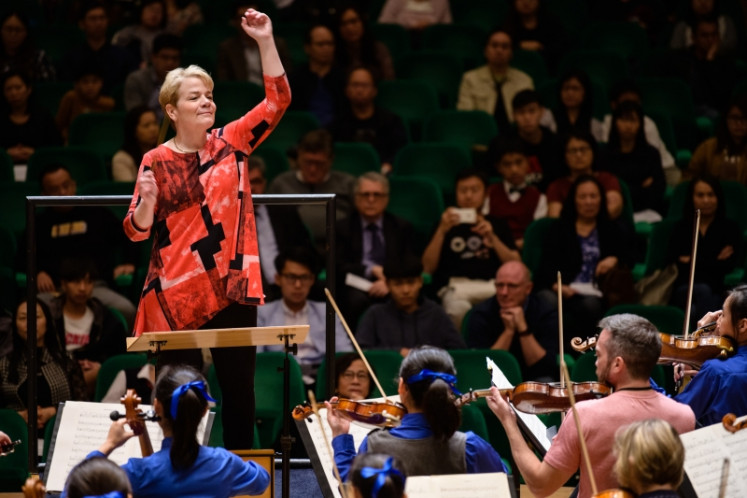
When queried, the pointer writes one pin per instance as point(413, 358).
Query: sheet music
point(705, 451)
point(83, 426)
point(532, 422)
point(493, 485)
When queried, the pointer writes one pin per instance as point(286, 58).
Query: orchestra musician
point(720, 385)
point(97, 477)
point(627, 351)
point(650, 459)
point(183, 467)
point(375, 475)
point(427, 440)
point(193, 193)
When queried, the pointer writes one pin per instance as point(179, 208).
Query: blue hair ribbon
point(381, 475)
point(430, 376)
point(199, 385)
point(110, 494)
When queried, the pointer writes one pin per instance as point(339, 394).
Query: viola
point(538, 397)
point(136, 420)
point(730, 423)
point(382, 414)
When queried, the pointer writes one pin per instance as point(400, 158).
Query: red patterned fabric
point(205, 253)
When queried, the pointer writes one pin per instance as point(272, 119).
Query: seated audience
point(139, 36)
point(518, 321)
point(59, 379)
point(295, 274)
point(353, 379)
point(140, 136)
point(407, 319)
point(416, 15)
point(467, 248)
point(364, 121)
point(575, 106)
point(725, 155)
point(514, 199)
point(534, 28)
point(85, 96)
point(492, 87)
point(17, 50)
point(682, 34)
point(356, 45)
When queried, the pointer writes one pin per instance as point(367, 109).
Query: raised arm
point(258, 26)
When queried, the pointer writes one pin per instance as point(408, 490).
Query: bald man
point(517, 321)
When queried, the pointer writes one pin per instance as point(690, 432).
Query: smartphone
point(466, 215)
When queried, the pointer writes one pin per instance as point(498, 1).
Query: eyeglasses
point(375, 195)
point(736, 118)
point(350, 375)
point(304, 279)
point(578, 150)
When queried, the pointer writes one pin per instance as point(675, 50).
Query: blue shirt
point(216, 473)
point(719, 388)
point(479, 455)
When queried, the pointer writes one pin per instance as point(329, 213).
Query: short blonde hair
point(649, 452)
point(169, 93)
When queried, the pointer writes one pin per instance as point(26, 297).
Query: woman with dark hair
point(183, 467)
point(17, 51)
point(718, 246)
point(575, 106)
point(97, 477)
point(375, 475)
point(138, 37)
point(533, 28)
point(725, 155)
point(140, 136)
point(356, 46)
point(427, 439)
point(581, 158)
point(58, 377)
point(23, 125)
point(720, 385)
point(584, 246)
point(353, 379)
point(632, 159)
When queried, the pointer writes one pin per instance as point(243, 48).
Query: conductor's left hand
point(256, 24)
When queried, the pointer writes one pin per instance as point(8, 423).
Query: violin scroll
point(34, 488)
point(136, 421)
point(731, 424)
point(583, 345)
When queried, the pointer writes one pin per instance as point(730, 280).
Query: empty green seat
point(443, 70)
point(438, 161)
point(102, 132)
point(355, 158)
point(85, 163)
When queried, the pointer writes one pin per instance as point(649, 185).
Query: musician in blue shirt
point(720, 387)
point(427, 440)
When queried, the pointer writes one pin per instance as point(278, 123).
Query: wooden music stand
point(287, 336)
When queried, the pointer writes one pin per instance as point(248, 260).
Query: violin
point(614, 493)
point(537, 397)
point(136, 420)
point(34, 488)
point(382, 414)
point(730, 423)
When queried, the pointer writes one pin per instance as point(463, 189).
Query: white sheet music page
point(84, 427)
point(533, 422)
point(492, 485)
point(705, 451)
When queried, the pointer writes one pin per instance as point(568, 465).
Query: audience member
point(467, 248)
point(575, 106)
point(492, 87)
point(364, 121)
point(86, 96)
point(17, 51)
point(514, 199)
point(139, 37)
point(586, 248)
point(366, 241)
point(140, 136)
point(534, 29)
point(353, 379)
point(296, 272)
point(633, 160)
point(183, 466)
point(415, 15)
point(143, 86)
point(518, 321)
point(356, 45)
point(97, 477)
point(238, 57)
point(650, 458)
point(315, 176)
point(375, 475)
point(719, 246)
point(407, 319)
point(319, 85)
point(90, 232)
point(24, 126)
point(725, 155)
point(627, 90)
point(115, 62)
point(541, 145)
point(682, 34)
point(627, 351)
point(278, 227)
point(182, 14)
point(91, 331)
point(141, 379)
point(580, 152)
point(59, 378)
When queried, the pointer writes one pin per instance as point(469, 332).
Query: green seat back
point(668, 319)
point(438, 161)
point(85, 163)
point(356, 158)
point(276, 161)
point(235, 98)
point(442, 70)
point(419, 201)
point(112, 366)
point(102, 132)
point(394, 36)
point(7, 173)
point(268, 389)
point(534, 239)
point(468, 128)
point(605, 66)
point(290, 129)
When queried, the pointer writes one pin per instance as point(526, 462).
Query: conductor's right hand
point(148, 188)
point(338, 424)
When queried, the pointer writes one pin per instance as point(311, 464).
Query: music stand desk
point(218, 338)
